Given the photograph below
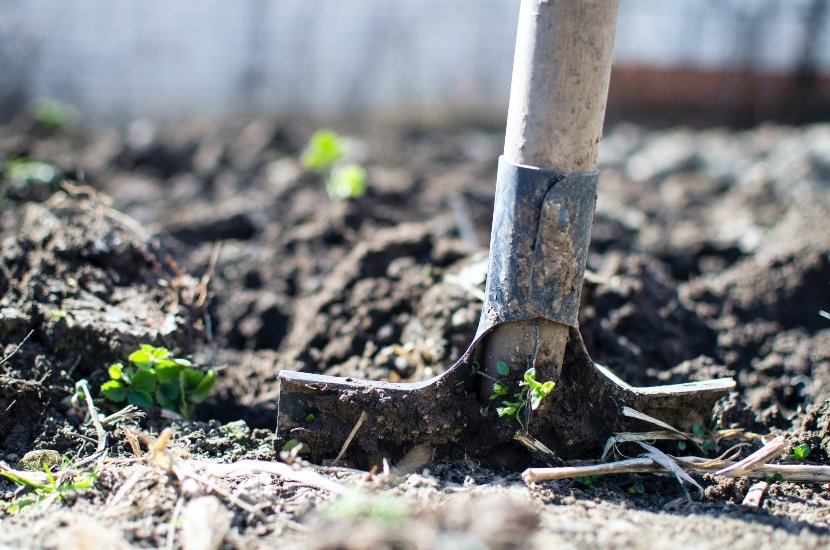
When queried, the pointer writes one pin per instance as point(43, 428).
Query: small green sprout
point(637, 486)
point(346, 182)
point(55, 115)
point(324, 149)
point(800, 452)
point(23, 172)
point(57, 314)
point(777, 477)
point(380, 508)
point(534, 394)
point(536, 390)
point(154, 377)
point(499, 389)
point(310, 418)
point(681, 445)
point(502, 368)
point(708, 445)
point(292, 444)
point(589, 482)
point(55, 487)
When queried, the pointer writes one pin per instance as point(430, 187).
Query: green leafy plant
point(54, 488)
point(531, 392)
point(637, 486)
point(700, 431)
point(499, 390)
point(154, 377)
point(800, 452)
point(54, 115)
point(359, 506)
point(346, 182)
point(589, 482)
point(777, 477)
point(24, 172)
point(324, 149)
point(292, 444)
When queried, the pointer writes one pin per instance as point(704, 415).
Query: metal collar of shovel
point(539, 246)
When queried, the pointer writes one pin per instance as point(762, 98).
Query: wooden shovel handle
point(558, 94)
point(559, 90)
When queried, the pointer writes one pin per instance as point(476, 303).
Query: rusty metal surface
point(445, 414)
point(539, 245)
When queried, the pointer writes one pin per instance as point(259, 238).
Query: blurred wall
point(118, 59)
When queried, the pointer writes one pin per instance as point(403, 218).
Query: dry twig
point(17, 347)
point(348, 441)
point(83, 386)
point(789, 472)
point(770, 451)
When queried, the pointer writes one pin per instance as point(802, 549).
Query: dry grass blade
point(348, 441)
point(632, 413)
point(634, 437)
point(35, 478)
point(17, 347)
point(770, 451)
point(534, 444)
point(670, 465)
point(93, 415)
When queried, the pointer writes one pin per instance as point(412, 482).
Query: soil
point(710, 257)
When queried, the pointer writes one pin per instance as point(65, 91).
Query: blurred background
point(732, 62)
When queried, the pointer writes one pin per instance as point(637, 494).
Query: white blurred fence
point(116, 59)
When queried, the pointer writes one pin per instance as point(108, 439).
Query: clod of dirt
point(634, 321)
point(90, 291)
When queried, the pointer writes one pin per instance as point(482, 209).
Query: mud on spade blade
point(539, 245)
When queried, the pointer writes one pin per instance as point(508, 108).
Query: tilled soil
point(710, 257)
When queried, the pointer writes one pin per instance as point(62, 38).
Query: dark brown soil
point(710, 257)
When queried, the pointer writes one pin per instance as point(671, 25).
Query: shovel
point(544, 206)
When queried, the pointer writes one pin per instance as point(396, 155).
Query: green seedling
point(55, 115)
point(292, 444)
point(531, 392)
point(358, 506)
point(777, 477)
point(800, 452)
point(499, 390)
point(23, 172)
point(346, 182)
point(323, 150)
point(57, 314)
point(637, 486)
point(55, 487)
point(700, 431)
point(589, 482)
point(154, 377)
